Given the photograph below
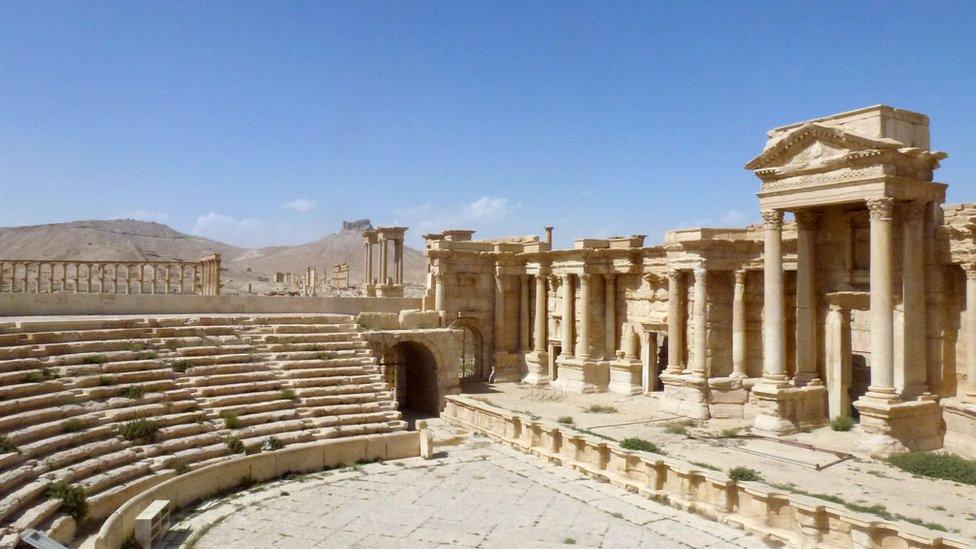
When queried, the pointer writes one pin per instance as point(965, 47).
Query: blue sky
point(270, 122)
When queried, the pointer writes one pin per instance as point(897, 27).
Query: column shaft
point(539, 333)
point(398, 258)
point(774, 347)
point(567, 321)
point(739, 325)
point(882, 314)
point(583, 338)
point(499, 312)
point(806, 300)
point(384, 260)
point(699, 363)
point(439, 292)
point(676, 322)
point(524, 313)
point(911, 380)
point(971, 331)
point(610, 318)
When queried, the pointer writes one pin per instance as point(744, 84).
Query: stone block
point(412, 319)
point(379, 321)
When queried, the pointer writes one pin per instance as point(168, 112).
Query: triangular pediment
point(812, 143)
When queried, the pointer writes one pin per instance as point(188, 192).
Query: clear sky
point(270, 122)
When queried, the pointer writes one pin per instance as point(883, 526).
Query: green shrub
point(36, 376)
point(841, 423)
point(146, 355)
point(235, 445)
point(323, 356)
point(676, 429)
point(72, 497)
point(94, 359)
point(6, 446)
point(876, 509)
point(182, 468)
point(133, 391)
point(230, 420)
point(565, 420)
point(272, 443)
point(105, 381)
point(288, 394)
point(937, 465)
point(744, 473)
point(705, 465)
point(601, 409)
point(73, 425)
point(134, 345)
point(180, 366)
point(139, 429)
point(640, 445)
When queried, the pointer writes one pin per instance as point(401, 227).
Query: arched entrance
point(411, 372)
point(471, 359)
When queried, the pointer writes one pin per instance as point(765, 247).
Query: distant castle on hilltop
point(357, 225)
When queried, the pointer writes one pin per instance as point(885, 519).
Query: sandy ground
point(853, 479)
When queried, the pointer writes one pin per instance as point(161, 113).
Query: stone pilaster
point(970, 335)
point(806, 301)
point(739, 341)
point(910, 375)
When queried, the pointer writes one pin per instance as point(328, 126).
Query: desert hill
point(130, 240)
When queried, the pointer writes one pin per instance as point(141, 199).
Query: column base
point(625, 377)
point(804, 379)
point(537, 367)
point(685, 395)
point(895, 426)
point(389, 290)
point(727, 397)
point(369, 290)
point(786, 409)
point(582, 375)
point(960, 420)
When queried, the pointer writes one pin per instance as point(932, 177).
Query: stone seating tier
point(68, 386)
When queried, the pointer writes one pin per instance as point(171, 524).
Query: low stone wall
point(220, 477)
point(791, 519)
point(107, 304)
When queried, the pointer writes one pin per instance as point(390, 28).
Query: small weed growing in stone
point(565, 420)
point(937, 465)
point(679, 428)
point(139, 429)
point(146, 355)
point(617, 515)
point(72, 498)
point(182, 469)
point(105, 381)
point(288, 394)
point(235, 445)
point(6, 446)
point(73, 425)
point(180, 366)
point(569, 541)
point(640, 445)
point(94, 359)
point(323, 356)
point(708, 466)
point(271, 444)
point(730, 433)
point(133, 391)
point(230, 420)
point(841, 423)
point(601, 409)
point(744, 474)
point(35, 377)
point(134, 345)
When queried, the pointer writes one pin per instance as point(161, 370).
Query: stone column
point(524, 313)
point(398, 262)
point(499, 311)
point(806, 300)
point(610, 317)
point(882, 301)
point(774, 347)
point(837, 361)
point(384, 259)
point(439, 291)
point(567, 323)
point(970, 335)
point(739, 325)
point(676, 323)
point(911, 377)
point(539, 333)
point(699, 365)
point(367, 263)
point(583, 338)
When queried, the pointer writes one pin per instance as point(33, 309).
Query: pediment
point(812, 145)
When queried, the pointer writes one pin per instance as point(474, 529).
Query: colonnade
point(389, 240)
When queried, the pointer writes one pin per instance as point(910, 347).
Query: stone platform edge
point(218, 478)
point(776, 516)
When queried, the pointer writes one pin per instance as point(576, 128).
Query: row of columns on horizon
point(200, 277)
point(384, 238)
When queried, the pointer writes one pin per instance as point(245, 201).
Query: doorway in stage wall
point(554, 350)
point(411, 371)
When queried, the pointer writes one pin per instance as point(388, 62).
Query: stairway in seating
point(67, 387)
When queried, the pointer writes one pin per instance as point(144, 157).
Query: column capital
point(585, 277)
point(740, 276)
point(772, 219)
point(880, 208)
point(439, 277)
point(701, 275)
point(565, 278)
point(806, 220)
point(915, 210)
point(673, 274)
point(970, 269)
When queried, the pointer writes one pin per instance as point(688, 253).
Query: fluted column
point(539, 333)
point(583, 338)
point(911, 380)
point(676, 322)
point(882, 301)
point(567, 323)
point(971, 331)
point(739, 325)
point(774, 346)
point(524, 313)
point(699, 365)
point(610, 317)
point(806, 300)
point(439, 291)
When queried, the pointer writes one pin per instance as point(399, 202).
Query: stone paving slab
point(480, 495)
